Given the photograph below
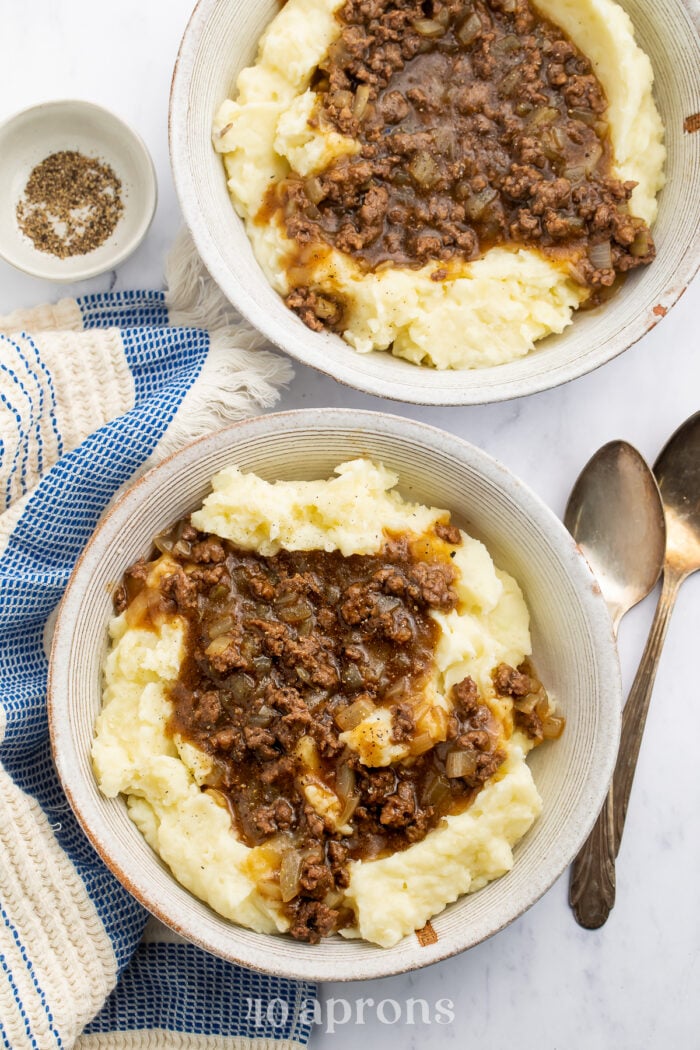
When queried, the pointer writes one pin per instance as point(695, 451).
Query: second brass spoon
point(616, 516)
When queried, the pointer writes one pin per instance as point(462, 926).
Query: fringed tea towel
point(91, 392)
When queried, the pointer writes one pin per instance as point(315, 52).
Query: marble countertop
point(543, 983)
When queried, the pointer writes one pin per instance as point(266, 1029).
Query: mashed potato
point(161, 775)
point(486, 312)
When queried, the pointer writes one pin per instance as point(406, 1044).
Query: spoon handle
point(634, 715)
point(592, 886)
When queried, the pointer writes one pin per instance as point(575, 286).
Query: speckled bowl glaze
point(221, 39)
point(573, 647)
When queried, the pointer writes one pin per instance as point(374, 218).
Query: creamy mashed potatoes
point(485, 312)
point(161, 774)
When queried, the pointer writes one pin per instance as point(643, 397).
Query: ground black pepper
point(71, 204)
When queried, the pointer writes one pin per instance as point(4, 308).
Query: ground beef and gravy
point(437, 132)
point(307, 686)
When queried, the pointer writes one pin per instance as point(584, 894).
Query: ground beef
point(275, 817)
point(376, 785)
point(312, 920)
point(491, 129)
point(465, 696)
point(209, 550)
point(403, 724)
point(449, 533)
point(316, 309)
point(338, 861)
point(182, 590)
point(399, 809)
point(509, 682)
point(277, 649)
point(434, 584)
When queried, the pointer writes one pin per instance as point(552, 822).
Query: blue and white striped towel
point(91, 392)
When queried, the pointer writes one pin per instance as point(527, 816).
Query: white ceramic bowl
point(221, 39)
point(573, 648)
point(32, 135)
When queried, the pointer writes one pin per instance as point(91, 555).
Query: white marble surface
point(542, 984)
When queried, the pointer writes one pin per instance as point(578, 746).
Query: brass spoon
point(678, 473)
point(616, 516)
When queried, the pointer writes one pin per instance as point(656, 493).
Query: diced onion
point(219, 645)
point(306, 627)
point(437, 788)
point(397, 690)
point(429, 27)
point(348, 809)
point(290, 874)
point(164, 543)
point(307, 752)
point(553, 727)
point(295, 613)
point(506, 44)
point(269, 889)
point(593, 155)
point(345, 781)
point(576, 173)
point(601, 255)
point(469, 30)
point(424, 169)
point(325, 308)
point(641, 245)
point(361, 100)
point(352, 677)
point(586, 116)
point(527, 704)
point(263, 717)
point(241, 687)
point(314, 190)
point(351, 716)
point(143, 606)
point(510, 81)
point(542, 115)
point(222, 625)
point(386, 603)
point(421, 743)
point(477, 204)
point(460, 764)
point(286, 598)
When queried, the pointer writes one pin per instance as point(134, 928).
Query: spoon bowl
point(677, 471)
point(616, 516)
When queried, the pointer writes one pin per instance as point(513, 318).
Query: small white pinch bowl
point(221, 39)
point(52, 127)
point(573, 645)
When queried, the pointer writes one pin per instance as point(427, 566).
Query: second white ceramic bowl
point(221, 39)
point(573, 649)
